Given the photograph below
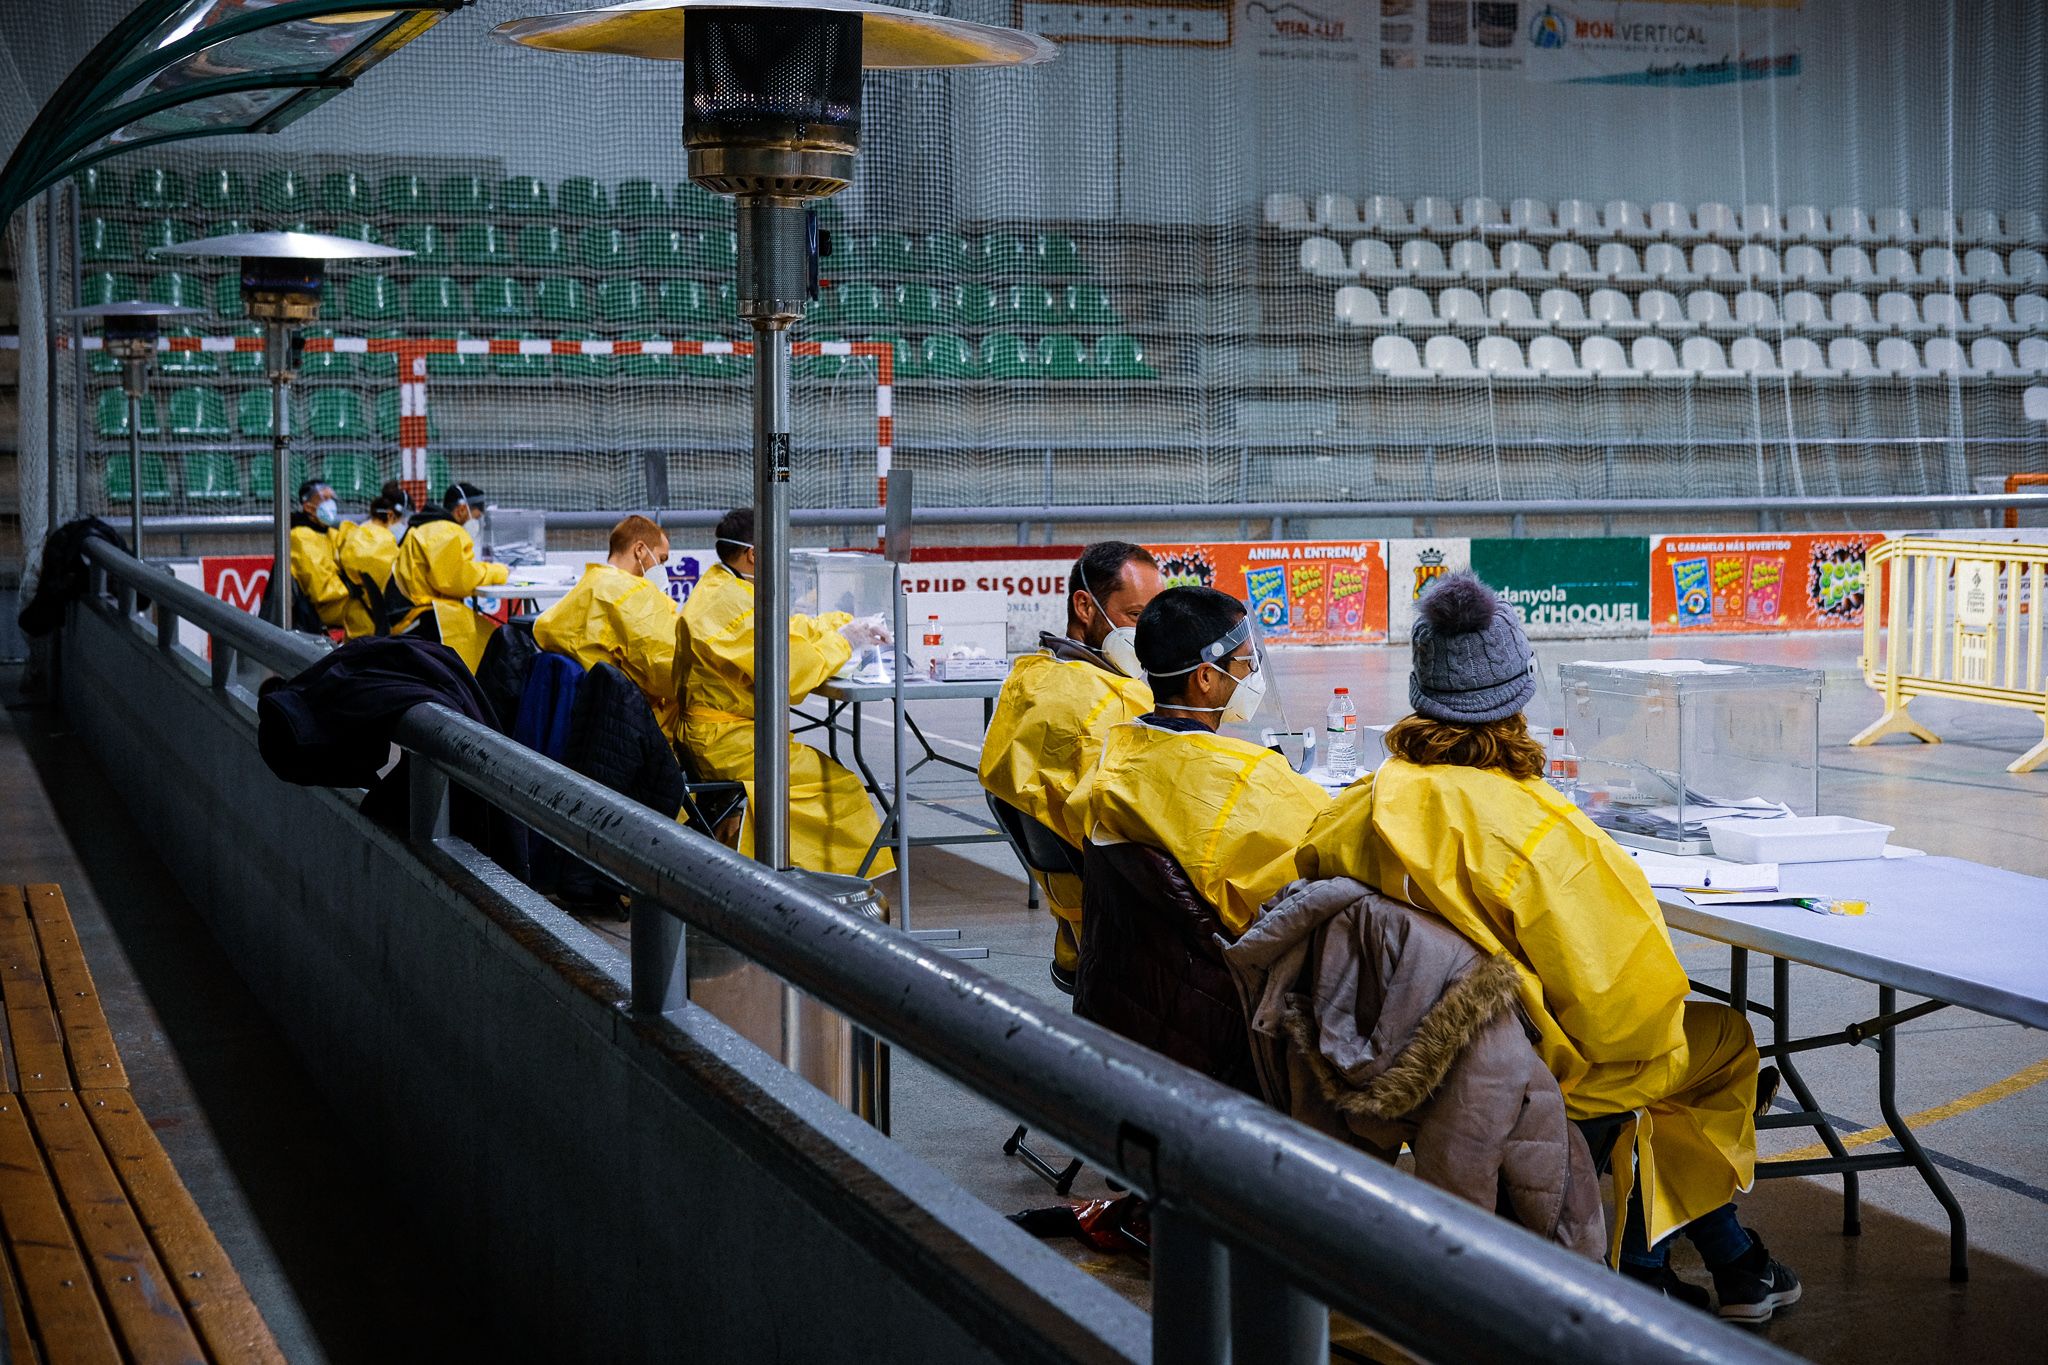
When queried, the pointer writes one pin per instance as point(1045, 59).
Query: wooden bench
point(103, 1255)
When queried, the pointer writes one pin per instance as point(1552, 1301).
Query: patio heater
point(128, 332)
point(771, 117)
point(282, 276)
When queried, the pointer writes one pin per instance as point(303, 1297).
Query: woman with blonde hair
point(1459, 821)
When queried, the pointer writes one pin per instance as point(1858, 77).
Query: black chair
point(1041, 851)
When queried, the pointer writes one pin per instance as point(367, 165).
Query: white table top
point(1951, 930)
point(538, 592)
point(914, 689)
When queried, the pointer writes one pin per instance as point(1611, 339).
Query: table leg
point(1738, 978)
point(1888, 1105)
point(1781, 1038)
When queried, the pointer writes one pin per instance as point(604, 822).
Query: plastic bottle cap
point(1558, 731)
point(1343, 691)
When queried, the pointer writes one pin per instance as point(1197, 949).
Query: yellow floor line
point(1976, 1099)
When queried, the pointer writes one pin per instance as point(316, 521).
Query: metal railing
point(1258, 1221)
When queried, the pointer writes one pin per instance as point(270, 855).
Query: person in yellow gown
point(1229, 811)
point(437, 568)
point(1459, 822)
point(832, 823)
point(316, 529)
point(1057, 704)
point(617, 615)
point(365, 554)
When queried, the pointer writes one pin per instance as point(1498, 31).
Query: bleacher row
point(1668, 220)
point(217, 476)
point(1701, 358)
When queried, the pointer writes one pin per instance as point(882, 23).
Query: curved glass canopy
point(196, 68)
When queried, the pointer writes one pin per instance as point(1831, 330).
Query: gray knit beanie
point(1472, 661)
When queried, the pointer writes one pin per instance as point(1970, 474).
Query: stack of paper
point(1703, 876)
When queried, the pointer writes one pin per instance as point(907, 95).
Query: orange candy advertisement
point(1702, 584)
point(1304, 592)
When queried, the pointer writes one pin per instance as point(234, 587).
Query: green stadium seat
point(1122, 357)
point(227, 297)
point(523, 196)
point(182, 364)
point(157, 188)
point(1061, 357)
point(198, 412)
point(405, 196)
point(601, 248)
point(581, 197)
point(542, 246)
point(1059, 254)
point(210, 476)
point(352, 474)
point(622, 301)
point(156, 478)
point(345, 193)
point(335, 415)
point(861, 305)
point(974, 305)
point(252, 412)
point(639, 199)
point(945, 356)
point(437, 465)
point(245, 362)
point(893, 254)
point(152, 233)
point(851, 257)
point(947, 255)
point(923, 305)
point(498, 296)
point(726, 306)
point(381, 364)
point(97, 361)
point(424, 241)
point(1028, 305)
point(584, 366)
point(663, 249)
point(325, 364)
point(228, 227)
point(104, 287)
point(483, 244)
point(717, 248)
point(260, 480)
point(290, 224)
point(694, 202)
point(110, 414)
point(220, 189)
point(284, 192)
point(103, 240)
point(708, 366)
point(1089, 304)
point(1005, 355)
point(561, 299)
point(521, 366)
point(436, 298)
point(357, 229)
point(648, 366)
point(98, 187)
point(1006, 253)
point(683, 301)
point(456, 366)
point(907, 362)
point(463, 196)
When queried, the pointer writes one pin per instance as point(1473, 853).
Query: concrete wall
point(605, 1189)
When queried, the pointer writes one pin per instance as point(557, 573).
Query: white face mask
point(329, 512)
point(1250, 692)
point(1120, 646)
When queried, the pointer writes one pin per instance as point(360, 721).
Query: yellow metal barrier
point(1961, 618)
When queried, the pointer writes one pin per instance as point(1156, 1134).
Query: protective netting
point(1161, 269)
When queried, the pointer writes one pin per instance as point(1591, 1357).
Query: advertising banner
point(1303, 592)
point(1413, 565)
point(1571, 589)
point(1662, 43)
point(1031, 578)
point(238, 580)
point(1702, 584)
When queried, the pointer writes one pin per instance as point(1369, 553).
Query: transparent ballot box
point(851, 581)
point(515, 535)
point(1665, 745)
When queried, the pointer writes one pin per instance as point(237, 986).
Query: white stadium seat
point(1474, 261)
point(1523, 261)
point(1756, 310)
point(1718, 220)
point(1897, 313)
point(1502, 358)
point(1462, 308)
point(1570, 260)
point(1437, 216)
point(1511, 311)
point(1672, 220)
point(2027, 266)
point(1851, 311)
point(1752, 356)
point(1980, 227)
point(1624, 218)
point(1395, 358)
point(1944, 313)
point(1666, 262)
point(1610, 311)
point(1993, 358)
point(1661, 309)
point(1807, 265)
point(1938, 225)
point(2032, 355)
point(1425, 261)
point(1553, 356)
point(1711, 261)
point(1805, 223)
point(1388, 216)
point(1892, 225)
point(1803, 356)
point(2034, 404)
point(1803, 309)
point(1618, 262)
point(1448, 358)
point(1409, 307)
point(1603, 358)
point(1337, 211)
point(1895, 265)
point(1287, 211)
point(1359, 307)
point(2030, 312)
point(1850, 265)
point(1989, 313)
point(1982, 265)
point(1938, 265)
point(1896, 356)
point(1850, 356)
point(1653, 358)
point(1321, 256)
point(1945, 357)
point(1581, 218)
point(1849, 223)
point(2023, 226)
point(1532, 218)
point(1759, 263)
point(1479, 214)
point(1563, 311)
point(1709, 312)
point(1703, 358)
point(1760, 223)
point(1373, 259)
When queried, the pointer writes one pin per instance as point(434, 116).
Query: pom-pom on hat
point(1473, 663)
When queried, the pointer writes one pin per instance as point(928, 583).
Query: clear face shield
point(1250, 691)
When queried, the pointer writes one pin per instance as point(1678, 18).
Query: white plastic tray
point(1798, 839)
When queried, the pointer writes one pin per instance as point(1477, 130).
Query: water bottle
point(934, 645)
point(1564, 762)
point(1340, 736)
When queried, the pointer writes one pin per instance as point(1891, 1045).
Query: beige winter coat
point(1379, 1024)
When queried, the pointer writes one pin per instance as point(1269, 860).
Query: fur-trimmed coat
point(1379, 1024)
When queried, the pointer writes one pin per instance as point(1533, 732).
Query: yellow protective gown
point(314, 575)
point(1230, 812)
point(1043, 738)
point(613, 617)
point(832, 823)
point(436, 568)
point(365, 554)
point(1518, 869)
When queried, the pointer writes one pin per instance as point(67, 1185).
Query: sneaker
point(1766, 1090)
point(1754, 1286)
point(1668, 1282)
